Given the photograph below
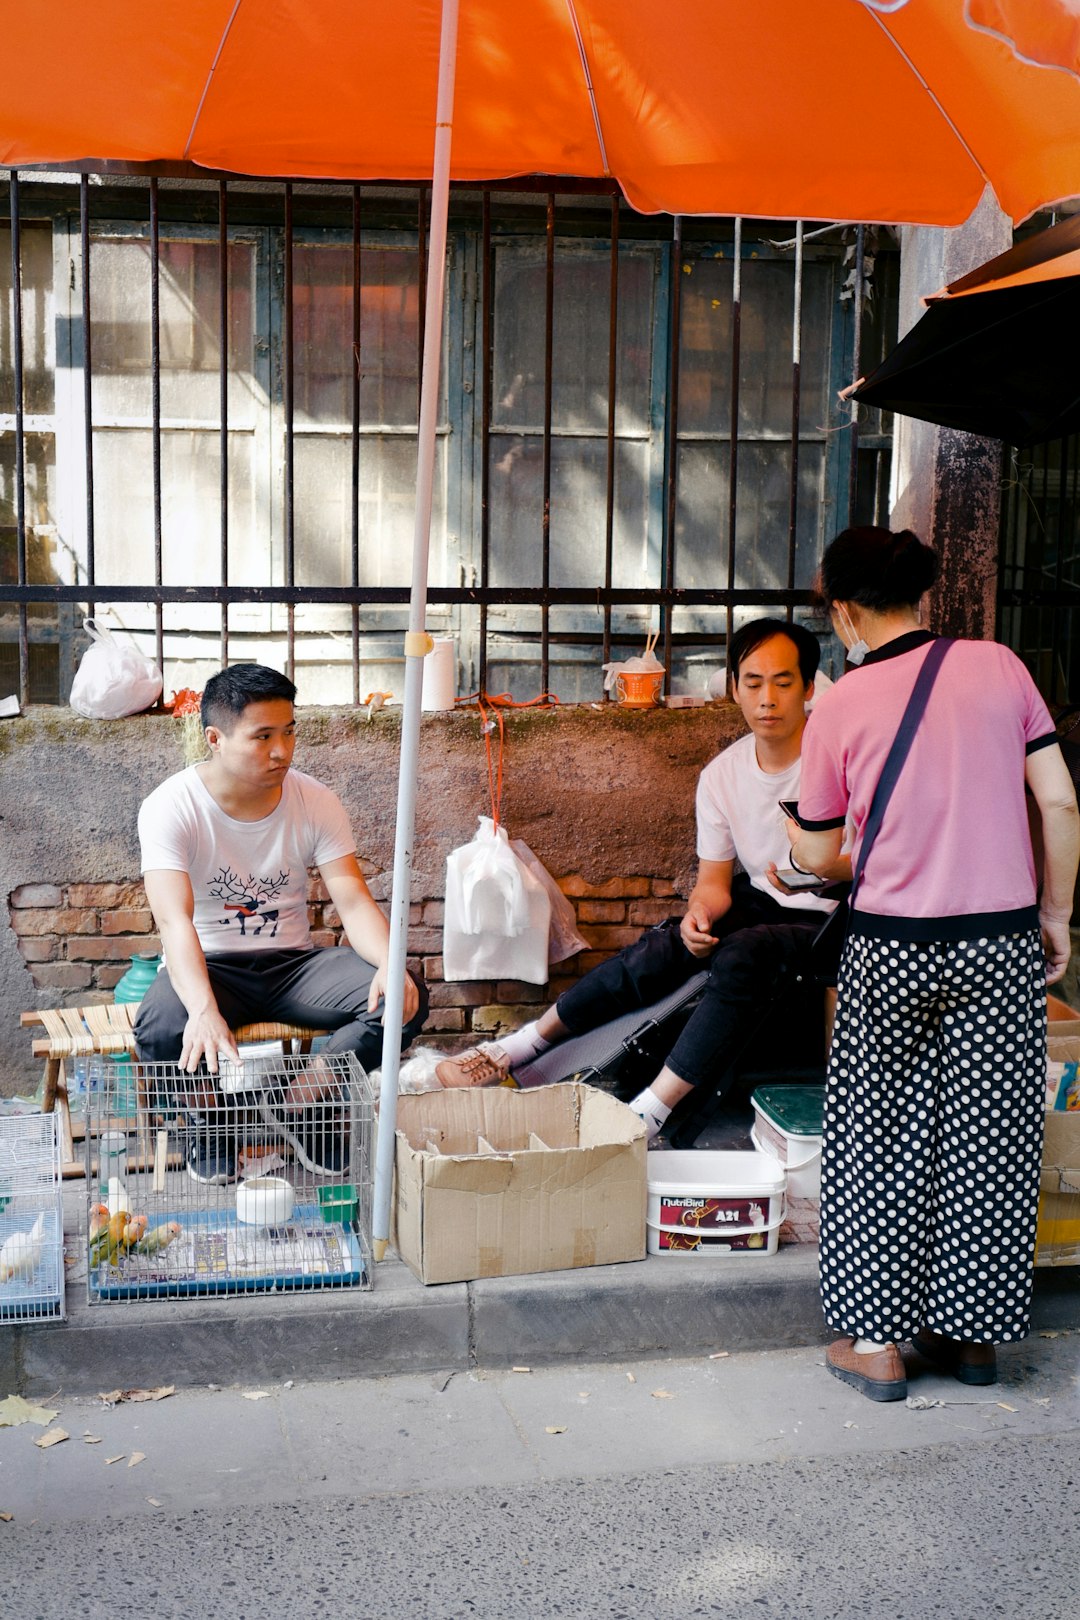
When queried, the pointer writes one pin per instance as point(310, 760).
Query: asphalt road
point(744, 1486)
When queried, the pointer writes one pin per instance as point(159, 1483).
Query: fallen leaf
point(662, 1395)
point(136, 1458)
point(1005, 1407)
point(256, 1395)
point(718, 1355)
point(114, 1397)
point(15, 1410)
point(51, 1437)
point(120, 1455)
point(7, 1517)
point(1049, 1333)
point(91, 1439)
point(555, 1428)
point(521, 1369)
point(153, 1501)
point(630, 1379)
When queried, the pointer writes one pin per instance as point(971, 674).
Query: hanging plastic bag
point(113, 679)
point(497, 912)
point(563, 939)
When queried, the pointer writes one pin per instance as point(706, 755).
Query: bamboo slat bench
point(108, 1029)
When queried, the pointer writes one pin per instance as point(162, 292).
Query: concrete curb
point(679, 1306)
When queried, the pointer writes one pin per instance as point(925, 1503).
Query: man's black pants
point(758, 937)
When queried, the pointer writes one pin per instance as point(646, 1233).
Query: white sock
point(523, 1045)
point(651, 1110)
point(867, 1347)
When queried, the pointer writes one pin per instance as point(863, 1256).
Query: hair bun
point(910, 567)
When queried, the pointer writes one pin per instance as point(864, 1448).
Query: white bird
point(21, 1252)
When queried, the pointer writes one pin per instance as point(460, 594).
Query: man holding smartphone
point(743, 925)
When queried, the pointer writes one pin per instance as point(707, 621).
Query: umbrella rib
point(213, 69)
point(589, 85)
point(900, 51)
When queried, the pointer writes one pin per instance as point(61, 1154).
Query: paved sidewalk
point(675, 1305)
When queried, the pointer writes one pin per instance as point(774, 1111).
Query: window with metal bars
point(208, 410)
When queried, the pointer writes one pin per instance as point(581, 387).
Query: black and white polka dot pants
point(932, 1144)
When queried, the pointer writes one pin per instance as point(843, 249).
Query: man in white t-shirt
point(226, 847)
point(740, 926)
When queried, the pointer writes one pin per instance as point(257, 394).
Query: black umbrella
point(997, 352)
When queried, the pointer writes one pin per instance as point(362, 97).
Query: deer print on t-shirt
point(246, 897)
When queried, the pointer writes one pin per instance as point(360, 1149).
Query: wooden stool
point(108, 1029)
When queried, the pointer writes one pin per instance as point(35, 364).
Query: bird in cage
point(158, 1238)
point(21, 1252)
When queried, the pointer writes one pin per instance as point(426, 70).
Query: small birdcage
point(252, 1181)
point(31, 1219)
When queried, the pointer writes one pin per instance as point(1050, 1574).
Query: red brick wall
point(79, 938)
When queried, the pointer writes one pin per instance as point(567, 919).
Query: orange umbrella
point(889, 110)
point(1043, 32)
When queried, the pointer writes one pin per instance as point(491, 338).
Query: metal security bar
point(587, 492)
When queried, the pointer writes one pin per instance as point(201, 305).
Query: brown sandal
point(485, 1065)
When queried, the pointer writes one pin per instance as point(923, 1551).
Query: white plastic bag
point(497, 913)
point(113, 678)
point(563, 938)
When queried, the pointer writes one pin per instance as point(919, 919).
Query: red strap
point(491, 706)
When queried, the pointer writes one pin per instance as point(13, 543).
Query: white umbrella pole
point(417, 641)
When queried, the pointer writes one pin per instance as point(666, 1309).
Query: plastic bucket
point(714, 1203)
point(787, 1125)
point(640, 689)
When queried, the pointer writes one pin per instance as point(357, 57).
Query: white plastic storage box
point(714, 1203)
point(787, 1124)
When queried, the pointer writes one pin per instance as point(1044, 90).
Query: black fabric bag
point(624, 1054)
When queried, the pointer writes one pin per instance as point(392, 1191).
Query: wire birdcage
point(257, 1180)
point(31, 1219)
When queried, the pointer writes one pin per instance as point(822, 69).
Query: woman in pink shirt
point(934, 1107)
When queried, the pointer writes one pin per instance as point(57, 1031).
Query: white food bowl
point(265, 1201)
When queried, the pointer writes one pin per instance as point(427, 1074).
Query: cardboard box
point(1058, 1240)
point(498, 1182)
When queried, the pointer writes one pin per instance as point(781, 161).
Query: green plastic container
point(132, 987)
point(338, 1205)
point(787, 1125)
point(796, 1110)
point(139, 977)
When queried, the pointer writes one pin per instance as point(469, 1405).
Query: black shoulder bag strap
point(829, 939)
point(898, 753)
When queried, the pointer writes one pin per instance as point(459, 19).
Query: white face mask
point(859, 648)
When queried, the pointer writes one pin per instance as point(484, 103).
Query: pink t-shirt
point(953, 857)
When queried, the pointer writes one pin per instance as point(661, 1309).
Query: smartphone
point(790, 807)
point(802, 880)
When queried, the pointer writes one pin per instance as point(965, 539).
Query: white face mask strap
point(859, 648)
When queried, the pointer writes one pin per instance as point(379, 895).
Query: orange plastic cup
point(639, 689)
